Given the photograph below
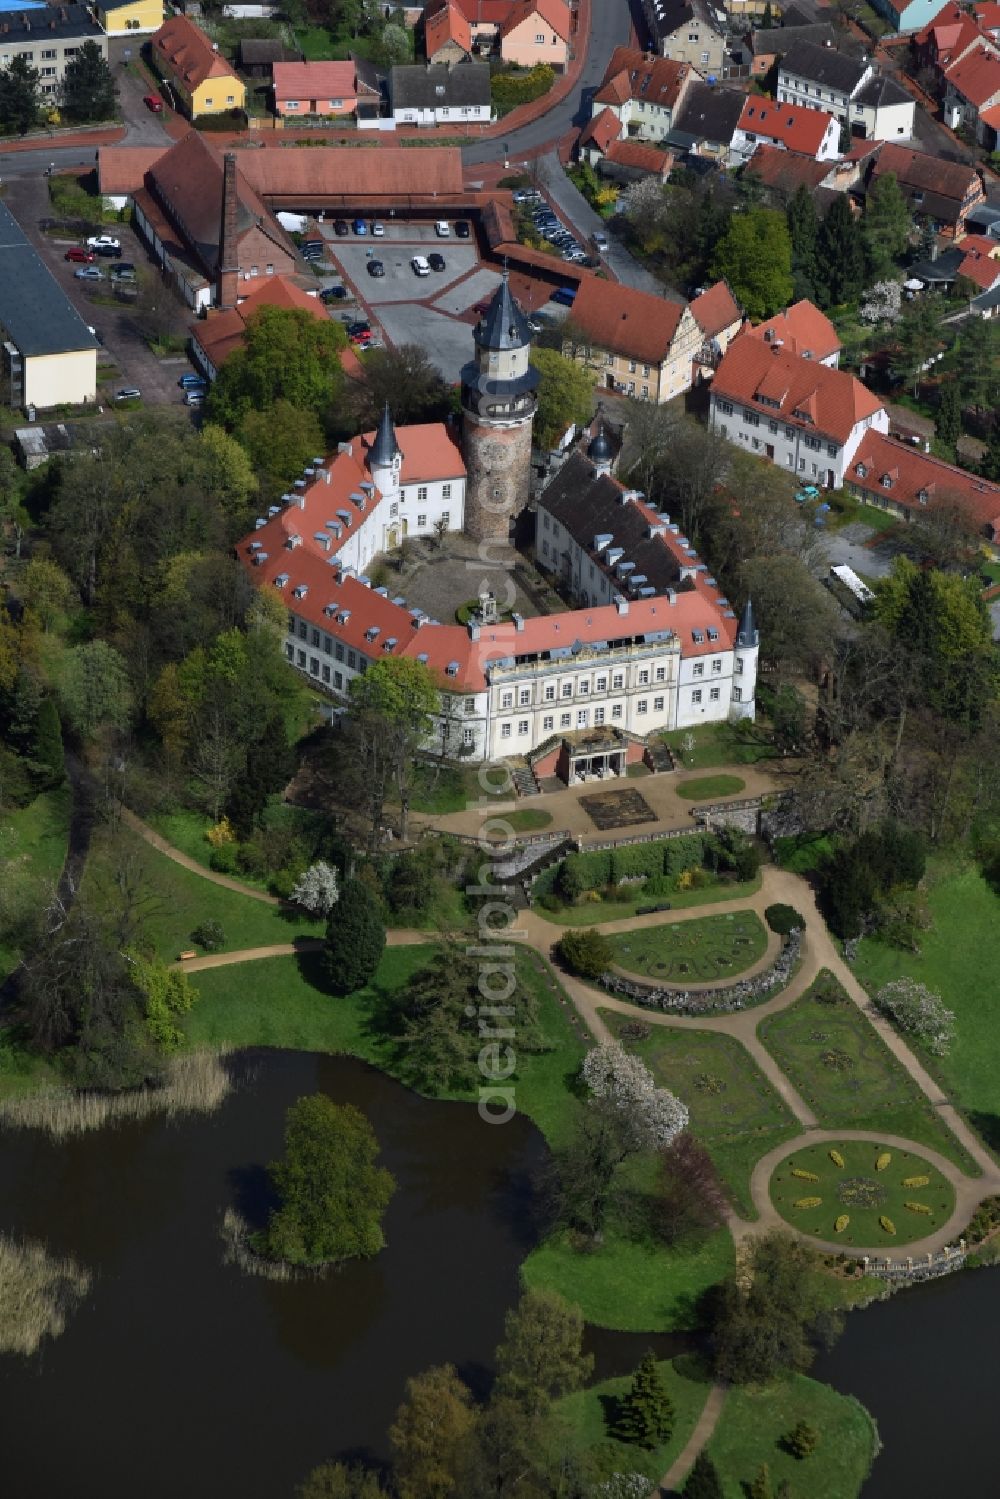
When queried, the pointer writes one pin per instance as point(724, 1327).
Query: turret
point(743, 699)
point(385, 459)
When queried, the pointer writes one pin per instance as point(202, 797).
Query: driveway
point(400, 283)
point(847, 547)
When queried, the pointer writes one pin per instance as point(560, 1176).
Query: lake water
point(179, 1375)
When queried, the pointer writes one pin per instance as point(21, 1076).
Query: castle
point(654, 645)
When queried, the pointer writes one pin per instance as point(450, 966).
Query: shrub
point(837, 1158)
point(917, 1207)
point(223, 858)
point(884, 1160)
point(916, 1181)
point(783, 919)
point(841, 1223)
point(209, 935)
point(806, 1176)
point(586, 952)
point(222, 832)
point(887, 1225)
point(917, 1011)
point(809, 1202)
point(511, 89)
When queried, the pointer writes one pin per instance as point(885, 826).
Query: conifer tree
point(646, 1414)
point(703, 1480)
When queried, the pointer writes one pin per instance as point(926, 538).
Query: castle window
point(548, 723)
point(446, 491)
point(564, 720)
point(696, 695)
point(567, 689)
point(446, 517)
point(616, 711)
point(714, 694)
point(421, 493)
point(737, 694)
point(550, 692)
point(505, 731)
point(658, 705)
point(522, 726)
point(581, 718)
point(507, 700)
point(642, 705)
point(421, 520)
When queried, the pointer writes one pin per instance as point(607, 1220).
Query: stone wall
point(498, 463)
point(740, 995)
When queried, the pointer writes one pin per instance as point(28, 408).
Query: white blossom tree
point(317, 891)
point(626, 1083)
point(624, 1486)
point(918, 1011)
point(882, 303)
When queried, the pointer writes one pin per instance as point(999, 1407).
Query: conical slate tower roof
point(385, 447)
point(504, 325)
point(746, 635)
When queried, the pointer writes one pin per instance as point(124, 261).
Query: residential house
point(821, 77)
point(906, 15)
point(942, 192)
point(772, 42)
point(199, 76)
point(799, 414)
point(447, 35)
point(128, 17)
point(48, 354)
point(257, 55)
point(801, 330)
point(602, 146)
point(975, 258)
point(222, 331)
point(372, 87)
point(441, 96)
point(327, 89)
point(48, 38)
point(909, 484)
point(537, 31)
point(783, 172)
point(707, 121)
point(763, 122)
point(485, 18)
point(948, 37)
point(719, 318)
point(972, 94)
point(987, 15)
point(644, 92)
point(686, 31)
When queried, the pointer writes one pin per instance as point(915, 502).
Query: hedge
point(595, 868)
point(508, 90)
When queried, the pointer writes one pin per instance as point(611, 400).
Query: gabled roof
point(389, 172)
point(446, 25)
point(437, 86)
point(186, 53)
point(988, 15)
point(917, 481)
point(640, 156)
point(57, 22)
point(665, 16)
point(786, 171)
point(625, 321)
point(716, 310)
point(485, 12)
point(710, 114)
point(796, 128)
point(554, 13)
point(122, 169)
point(916, 172)
point(257, 50)
point(976, 76)
point(601, 130)
point(222, 331)
point(653, 80)
point(979, 261)
point(772, 41)
point(881, 92)
point(802, 330)
point(314, 80)
point(823, 65)
point(796, 391)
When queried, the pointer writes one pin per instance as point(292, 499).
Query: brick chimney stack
point(229, 266)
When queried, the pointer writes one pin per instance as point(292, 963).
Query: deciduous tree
point(541, 1357)
point(565, 395)
point(428, 1432)
point(407, 379)
point(94, 690)
point(392, 708)
point(755, 257)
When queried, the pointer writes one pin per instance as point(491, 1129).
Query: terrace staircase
point(525, 783)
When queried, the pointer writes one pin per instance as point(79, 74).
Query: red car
point(154, 103)
point(79, 253)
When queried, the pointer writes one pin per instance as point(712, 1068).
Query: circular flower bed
point(861, 1194)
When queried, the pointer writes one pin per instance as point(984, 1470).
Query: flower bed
point(861, 1194)
point(724, 998)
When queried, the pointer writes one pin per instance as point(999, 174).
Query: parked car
point(109, 252)
point(600, 242)
point(376, 268)
point(565, 296)
point(312, 252)
point(360, 228)
point(378, 230)
point(194, 398)
point(341, 228)
point(122, 275)
point(191, 381)
point(333, 294)
point(442, 229)
point(89, 273)
point(527, 195)
point(420, 266)
point(79, 253)
point(436, 261)
point(360, 340)
point(128, 393)
point(99, 241)
point(359, 325)
point(153, 102)
point(122, 268)
point(462, 230)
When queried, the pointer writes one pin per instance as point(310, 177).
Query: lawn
point(861, 1194)
point(754, 1420)
point(585, 1419)
point(527, 819)
point(186, 830)
point(719, 744)
point(803, 853)
point(439, 789)
point(710, 788)
point(280, 1002)
point(960, 960)
point(735, 1112)
point(590, 913)
point(702, 951)
point(33, 843)
point(847, 1075)
point(174, 900)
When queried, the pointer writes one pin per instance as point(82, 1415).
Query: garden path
point(704, 1427)
point(161, 845)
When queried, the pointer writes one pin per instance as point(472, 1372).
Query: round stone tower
point(498, 407)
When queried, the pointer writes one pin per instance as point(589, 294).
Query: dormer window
point(923, 497)
point(886, 481)
point(861, 471)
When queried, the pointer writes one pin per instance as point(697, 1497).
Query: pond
point(180, 1375)
point(923, 1364)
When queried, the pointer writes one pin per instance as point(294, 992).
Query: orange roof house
point(315, 88)
point(537, 31)
point(447, 35)
point(195, 70)
point(910, 483)
point(222, 331)
point(803, 330)
point(764, 122)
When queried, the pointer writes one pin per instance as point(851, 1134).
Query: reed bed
point(196, 1083)
point(236, 1236)
point(37, 1294)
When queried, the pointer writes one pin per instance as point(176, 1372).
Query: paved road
point(610, 27)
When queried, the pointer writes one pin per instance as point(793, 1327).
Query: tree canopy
point(755, 257)
point(287, 355)
point(565, 395)
point(88, 90)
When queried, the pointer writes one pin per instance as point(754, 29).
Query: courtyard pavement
point(441, 580)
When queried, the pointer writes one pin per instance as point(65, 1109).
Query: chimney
point(229, 269)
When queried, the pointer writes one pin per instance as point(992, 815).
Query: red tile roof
point(640, 157)
point(917, 170)
point(485, 12)
point(314, 80)
point(185, 52)
point(601, 130)
point(795, 128)
point(912, 474)
point(801, 329)
point(980, 263)
point(446, 25)
point(796, 391)
point(223, 330)
point(554, 13)
point(352, 171)
point(976, 77)
point(625, 321)
point(988, 15)
point(122, 169)
point(632, 74)
point(786, 170)
point(716, 310)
